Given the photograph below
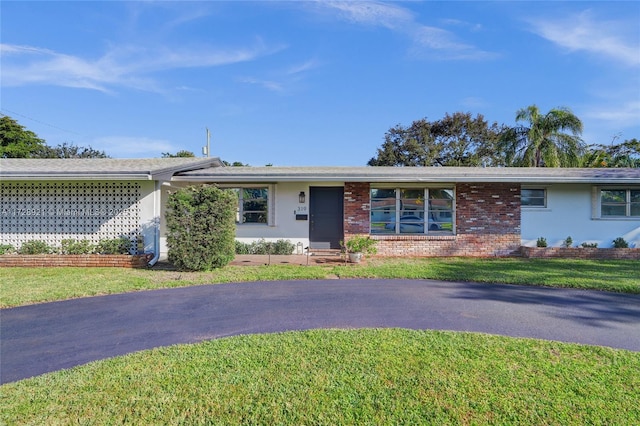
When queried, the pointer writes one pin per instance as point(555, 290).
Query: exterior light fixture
point(301, 197)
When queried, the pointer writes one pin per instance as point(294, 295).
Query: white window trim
point(596, 202)
point(271, 205)
point(546, 198)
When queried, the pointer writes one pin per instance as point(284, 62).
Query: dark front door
point(326, 221)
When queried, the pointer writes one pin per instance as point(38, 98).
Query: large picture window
point(253, 205)
point(619, 203)
point(412, 211)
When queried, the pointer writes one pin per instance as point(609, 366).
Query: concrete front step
point(325, 252)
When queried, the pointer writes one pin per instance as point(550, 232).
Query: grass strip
point(22, 286)
point(328, 377)
point(609, 275)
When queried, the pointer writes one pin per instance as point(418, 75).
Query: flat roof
point(523, 175)
point(100, 168)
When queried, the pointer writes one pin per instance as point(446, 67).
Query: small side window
point(253, 205)
point(533, 197)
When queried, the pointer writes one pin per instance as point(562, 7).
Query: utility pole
point(206, 150)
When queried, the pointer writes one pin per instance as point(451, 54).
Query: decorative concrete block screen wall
point(53, 211)
point(487, 223)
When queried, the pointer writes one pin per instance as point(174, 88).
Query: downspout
point(156, 223)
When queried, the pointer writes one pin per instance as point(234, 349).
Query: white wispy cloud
point(271, 85)
point(428, 41)
point(462, 24)
point(436, 43)
point(121, 66)
point(303, 67)
point(624, 113)
point(133, 147)
point(584, 32)
point(372, 13)
point(283, 80)
point(474, 102)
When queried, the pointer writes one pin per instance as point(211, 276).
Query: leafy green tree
point(181, 153)
point(407, 146)
point(234, 164)
point(456, 140)
point(467, 141)
point(625, 154)
point(67, 150)
point(201, 227)
point(16, 141)
point(543, 141)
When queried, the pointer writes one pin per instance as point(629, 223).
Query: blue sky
point(308, 82)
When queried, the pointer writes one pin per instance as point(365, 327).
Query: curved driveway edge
point(41, 338)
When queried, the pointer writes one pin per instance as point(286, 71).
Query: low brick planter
point(580, 253)
point(80, 260)
point(467, 245)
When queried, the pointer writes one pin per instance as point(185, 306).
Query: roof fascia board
point(77, 176)
point(373, 178)
point(167, 173)
point(162, 174)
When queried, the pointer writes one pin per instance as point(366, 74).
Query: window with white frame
point(533, 197)
point(412, 211)
point(619, 202)
point(253, 205)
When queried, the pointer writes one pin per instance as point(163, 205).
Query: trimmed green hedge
point(201, 227)
point(265, 247)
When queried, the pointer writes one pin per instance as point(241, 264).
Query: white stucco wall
point(149, 215)
point(284, 205)
point(569, 213)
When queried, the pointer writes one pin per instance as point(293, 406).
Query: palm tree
point(543, 142)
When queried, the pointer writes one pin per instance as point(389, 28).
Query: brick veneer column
point(356, 208)
point(488, 208)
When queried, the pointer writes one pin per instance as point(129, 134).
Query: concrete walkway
point(41, 338)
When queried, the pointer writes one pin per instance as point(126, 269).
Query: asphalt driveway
point(47, 337)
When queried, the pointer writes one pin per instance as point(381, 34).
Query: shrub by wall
point(283, 247)
point(201, 227)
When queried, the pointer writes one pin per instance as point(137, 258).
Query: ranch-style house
point(411, 211)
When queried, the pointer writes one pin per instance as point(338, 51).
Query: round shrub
point(620, 243)
point(121, 245)
point(71, 246)
point(7, 248)
point(283, 247)
point(35, 247)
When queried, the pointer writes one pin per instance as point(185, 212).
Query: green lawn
point(333, 377)
point(22, 286)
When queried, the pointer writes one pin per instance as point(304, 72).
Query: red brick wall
point(580, 253)
point(487, 208)
point(80, 260)
point(357, 204)
point(486, 245)
point(487, 223)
